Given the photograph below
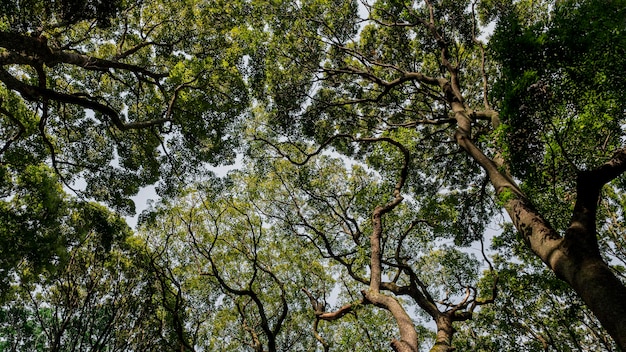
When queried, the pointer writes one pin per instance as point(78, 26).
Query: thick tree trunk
point(445, 331)
point(579, 264)
point(575, 257)
point(605, 296)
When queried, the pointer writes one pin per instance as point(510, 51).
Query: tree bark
point(445, 331)
point(408, 336)
point(574, 257)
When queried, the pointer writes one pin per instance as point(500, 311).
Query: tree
point(103, 101)
point(98, 102)
point(92, 297)
point(41, 225)
point(277, 267)
point(416, 73)
point(439, 129)
point(235, 281)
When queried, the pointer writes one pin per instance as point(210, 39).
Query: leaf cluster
point(561, 106)
point(41, 224)
point(34, 15)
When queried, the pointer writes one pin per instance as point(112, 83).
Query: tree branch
point(35, 93)
point(582, 229)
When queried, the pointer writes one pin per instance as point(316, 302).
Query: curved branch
point(318, 337)
point(35, 50)
point(34, 93)
point(608, 171)
point(330, 316)
point(582, 227)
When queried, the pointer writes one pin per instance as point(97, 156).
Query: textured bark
point(574, 257)
point(445, 331)
point(604, 294)
point(585, 270)
point(408, 336)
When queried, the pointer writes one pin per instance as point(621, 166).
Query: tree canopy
point(412, 175)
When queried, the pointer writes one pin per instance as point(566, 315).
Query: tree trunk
point(579, 265)
point(445, 331)
point(604, 294)
point(575, 257)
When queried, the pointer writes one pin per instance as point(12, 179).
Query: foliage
point(33, 15)
point(233, 272)
point(40, 225)
point(93, 296)
point(152, 97)
point(379, 142)
point(562, 107)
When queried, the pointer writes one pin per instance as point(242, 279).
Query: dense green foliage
point(104, 104)
point(35, 15)
point(562, 100)
point(378, 143)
